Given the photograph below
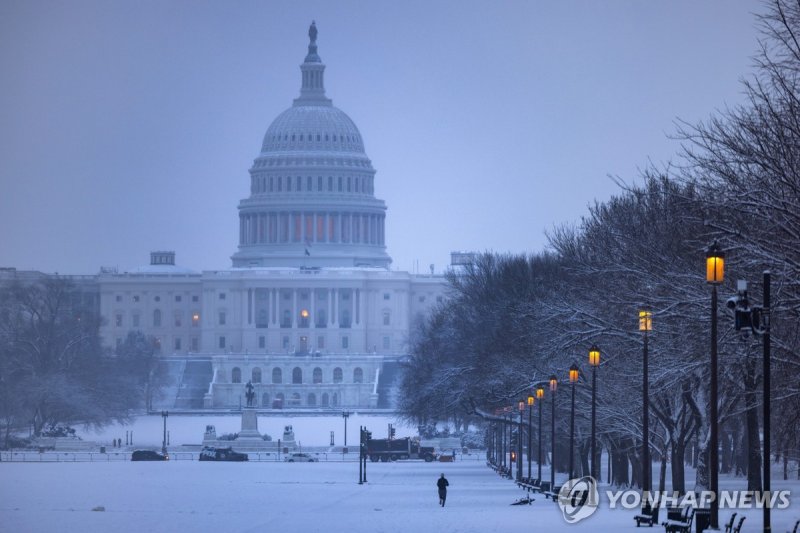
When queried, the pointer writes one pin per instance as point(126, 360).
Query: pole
point(595, 473)
point(553, 443)
point(530, 437)
point(360, 455)
point(767, 348)
point(646, 464)
point(164, 415)
point(572, 435)
point(714, 444)
point(519, 449)
point(541, 430)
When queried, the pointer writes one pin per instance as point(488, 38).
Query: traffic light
point(391, 431)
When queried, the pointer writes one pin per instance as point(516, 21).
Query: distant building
point(309, 311)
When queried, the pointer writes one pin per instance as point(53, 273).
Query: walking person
point(442, 483)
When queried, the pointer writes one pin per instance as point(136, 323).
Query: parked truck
point(397, 449)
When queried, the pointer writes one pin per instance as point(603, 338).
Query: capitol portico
point(309, 312)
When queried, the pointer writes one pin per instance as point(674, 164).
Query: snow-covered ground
point(190, 496)
point(281, 497)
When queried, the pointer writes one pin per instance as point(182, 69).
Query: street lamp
point(645, 325)
point(574, 372)
point(164, 415)
point(345, 415)
point(540, 397)
point(715, 274)
point(519, 441)
point(553, 388)
point(530, 432)
point(594, 362)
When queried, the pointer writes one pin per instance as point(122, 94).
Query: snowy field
point(281, 497)
point(178, 496)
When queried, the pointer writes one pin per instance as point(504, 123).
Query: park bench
point(738, 527)
point(553, 494)
point(796, 525)
point(729, 525)
point(683, 525)
point(648, 516)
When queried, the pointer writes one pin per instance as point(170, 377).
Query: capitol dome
point(312, 201)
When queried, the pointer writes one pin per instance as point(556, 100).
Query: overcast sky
point(127, 127)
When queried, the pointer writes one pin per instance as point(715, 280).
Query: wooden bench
point(796, 525)
point(738, 527)
point(729, 525)
point(684, 525)
point(553, 494)
point(648, 516)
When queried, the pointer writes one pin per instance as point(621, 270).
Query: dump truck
point(398, 449)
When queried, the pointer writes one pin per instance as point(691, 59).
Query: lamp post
point(645, 325)
point(766, 371)
point(345, 415)
point(164, 415)
point(519, 441)
point(530, 433)
point(553, 388)
point(573, 378)
point(715, 273)
point(540, 397)
point(594, 362)
point(511, 458)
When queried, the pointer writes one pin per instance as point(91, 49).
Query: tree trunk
point(662, 475)
point(702, 472)
point(753, 442)
point(726, 440)
point(678, 471)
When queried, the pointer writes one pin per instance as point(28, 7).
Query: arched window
point(325, 401)
point(358, 375)
point(297, 375)
point(312, 400)
point(256, 375)
point(335, 400)
point(317, 375)
point(295, 399)
point(277, 377)
point(265, 400)
point(279, 400)
point(157, 318)
point(387, 318)
point(236, 375)
point(337, 375)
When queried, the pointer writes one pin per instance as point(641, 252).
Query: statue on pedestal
point(250, 395)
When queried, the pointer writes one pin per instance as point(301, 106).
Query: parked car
point(300, 458)
point(148, 455)
point(221, 454)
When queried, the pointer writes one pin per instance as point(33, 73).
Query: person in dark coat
point(442, 483)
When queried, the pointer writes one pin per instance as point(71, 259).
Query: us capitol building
point(309, 313)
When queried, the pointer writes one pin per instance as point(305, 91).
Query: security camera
point(732, 302)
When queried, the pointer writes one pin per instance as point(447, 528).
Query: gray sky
point(127, 127)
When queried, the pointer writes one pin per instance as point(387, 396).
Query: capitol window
point(337, 375)
point(119, 297)
point(345, 342)
point(157, 318)
point(387, 343)
point(118, 319)
point(330, 183)
point(222, 343)
point(262, 341)
point(135, 320)
point(358, 375)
